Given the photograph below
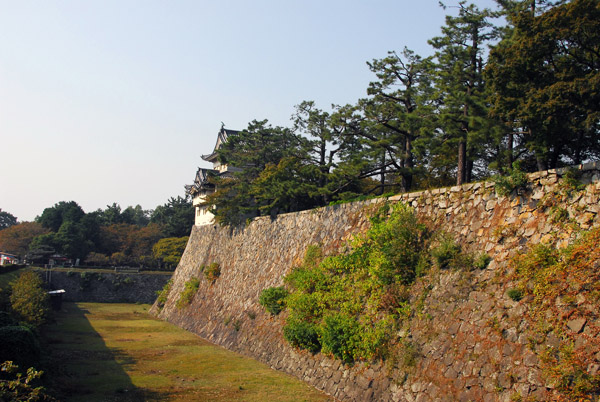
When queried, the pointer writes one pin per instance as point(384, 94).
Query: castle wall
point(460, 355)
point(105, 287)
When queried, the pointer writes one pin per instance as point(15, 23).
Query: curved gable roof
point(221, 138)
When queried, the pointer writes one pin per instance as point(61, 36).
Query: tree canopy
point(6, 219)
point(17, 238)
point(545, 80)
point(113, 236)
point(523, 88)
point(175, 217)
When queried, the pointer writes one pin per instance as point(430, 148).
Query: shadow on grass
point(81, 367)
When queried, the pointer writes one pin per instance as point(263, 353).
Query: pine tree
point(239, 196)
point(401, 107)
point(545, 76)
point(460, 86)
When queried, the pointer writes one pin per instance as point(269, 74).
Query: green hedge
point(20, 345)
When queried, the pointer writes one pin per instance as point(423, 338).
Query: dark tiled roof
point(201, 181)
point(221, 138)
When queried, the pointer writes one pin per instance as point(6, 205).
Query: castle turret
point(202, 187)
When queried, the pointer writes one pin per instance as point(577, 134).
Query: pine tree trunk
point(382, 174)
point(469, 173)
point(462, 162)
point(511, 139)
point(408, 163)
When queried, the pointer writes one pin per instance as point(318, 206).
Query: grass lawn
point(117, 352)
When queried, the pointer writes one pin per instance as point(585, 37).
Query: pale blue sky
point(115, 101)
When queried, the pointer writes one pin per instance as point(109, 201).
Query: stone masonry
point(105, 287)
point(469, 339)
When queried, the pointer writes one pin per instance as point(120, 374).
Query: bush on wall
point(273, 299)
point(339, 304)
point(303, 335)
point(212, 271)
point(162, 295)
point(189, 291)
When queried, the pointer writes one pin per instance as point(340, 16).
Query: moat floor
point(117, 352)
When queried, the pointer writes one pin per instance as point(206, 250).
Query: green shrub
point(409, 354)
point(516, 180)
point(535, 261)
point(350, 304)
point(307, 306)
point(20, 345)
point(340, 336)
point(307, 278)
point(162, 295)
point(395, 244)
point(446, 253)
point(85, 280)
point(29, 300)
point(303, 335)
point(515, 294)
point(189, 291)
point(212, 272)
point(273, 299)
point(237, 324)
point(394, 297)
point(571, 181)
point(546, 274)
point(16, 388)
point(313, 256)
point(558, 214)
point(482, 261)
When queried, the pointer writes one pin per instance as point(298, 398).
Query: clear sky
point(115, 100)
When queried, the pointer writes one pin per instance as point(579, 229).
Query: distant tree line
point(109, 237)
point(492, 97)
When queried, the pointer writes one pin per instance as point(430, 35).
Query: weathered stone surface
point(576, 325)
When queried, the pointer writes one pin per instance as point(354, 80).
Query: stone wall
point(105, 287)
point(470, 339)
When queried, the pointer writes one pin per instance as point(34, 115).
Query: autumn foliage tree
point(29, 300)
point(17, 238)
point(169, 250)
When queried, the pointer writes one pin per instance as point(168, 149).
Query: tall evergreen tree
point(176, 217)
point(363, 154)
point(7, 219)
point(545, 76)
point(321, 145)
point(460, 85)
point(73, 232)
point(249, 153)
point(400, 106)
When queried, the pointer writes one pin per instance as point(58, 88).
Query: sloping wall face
point(470, 337)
